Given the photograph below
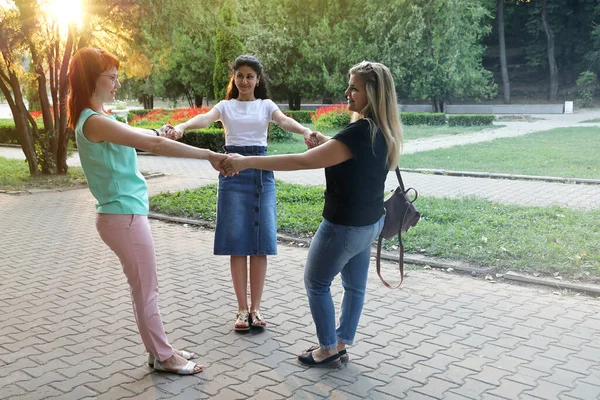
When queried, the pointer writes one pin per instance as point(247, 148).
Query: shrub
point(586, 85)
point(139, 113)
point(8, 132)
point(331, 117)
point(470, 120)
point(161, 116)
point(302, 116)
point(417, 118)
point(208, 138)
point(278, 134)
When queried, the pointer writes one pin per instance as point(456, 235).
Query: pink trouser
point(130, 238)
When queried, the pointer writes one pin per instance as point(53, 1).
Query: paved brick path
point(67, 330)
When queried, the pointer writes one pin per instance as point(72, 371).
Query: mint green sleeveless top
point(112, 174)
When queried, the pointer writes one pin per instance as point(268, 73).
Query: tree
point(551, 56)
point(227, 47)
point(188, 66)
point(502, 46)
point(434, 47)
point(29, 33)
point(24, 29)
point(306, 47)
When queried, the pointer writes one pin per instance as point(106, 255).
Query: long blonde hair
point(382, 106)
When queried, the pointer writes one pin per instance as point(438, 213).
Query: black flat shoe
point(344, 357)
point(307, 359)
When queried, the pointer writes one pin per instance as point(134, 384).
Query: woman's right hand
point(173, 132)
point(317, 139)
point(234, 164)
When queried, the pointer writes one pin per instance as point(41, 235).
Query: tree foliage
point(227, 47)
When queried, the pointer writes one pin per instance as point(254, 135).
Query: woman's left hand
point(310, 140)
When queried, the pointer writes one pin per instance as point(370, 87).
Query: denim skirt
point(246, 210)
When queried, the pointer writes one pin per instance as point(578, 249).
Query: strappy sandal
point(256, 320)
point(184, 354)
point(187, 369)
point(241, 323)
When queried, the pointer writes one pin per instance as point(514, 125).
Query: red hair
point(86, 66)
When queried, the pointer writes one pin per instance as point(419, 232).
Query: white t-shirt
point(246, 122)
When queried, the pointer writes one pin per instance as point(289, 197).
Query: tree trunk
point(502, 45)
point(19, 112)
point(198, 100)
point(551, 56)
point(437, 105)
point(148, 101)
point(294, 101)
point(64, 134)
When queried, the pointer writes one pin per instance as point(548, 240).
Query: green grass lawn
point(411, 132)
point(592, 120)
point(565, 152)
point(528, 239)
point(14, 175)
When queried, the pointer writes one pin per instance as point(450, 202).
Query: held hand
point(309, 140)
point(234, 164)
point(165, 130)
point(216, 160)
point(174, 132)
point(317, 139)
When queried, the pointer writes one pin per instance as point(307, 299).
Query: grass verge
point(411, 132)
point(14, 175)
point(564, 152)
point(526, 239)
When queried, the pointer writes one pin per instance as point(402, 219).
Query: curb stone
point(490, 175)
point(413, 259)
point(579, 287)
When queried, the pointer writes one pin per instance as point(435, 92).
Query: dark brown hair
point(261, 91)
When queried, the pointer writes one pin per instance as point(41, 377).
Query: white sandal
point(184, 354)
point(187, 369)
point(242, 318)
point(256, 320)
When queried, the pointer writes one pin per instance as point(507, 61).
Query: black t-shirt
point(354, 192)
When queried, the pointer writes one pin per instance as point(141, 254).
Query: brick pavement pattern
point(67, 329)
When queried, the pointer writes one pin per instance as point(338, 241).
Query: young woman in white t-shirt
point(246, 204)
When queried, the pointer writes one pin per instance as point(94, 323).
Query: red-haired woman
point(107, 152)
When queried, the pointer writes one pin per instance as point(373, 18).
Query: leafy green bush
point(8, 132)
point(208, 138)
point(586, 85)
point(470, 120)
point(139, 113)
point(331, 117)
point(278, 134)
point(418, 118)
point(302, 116)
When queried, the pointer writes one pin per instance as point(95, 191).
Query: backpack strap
point(400, 179)
point(400, 261)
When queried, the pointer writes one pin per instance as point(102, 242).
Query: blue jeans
point(334, 249)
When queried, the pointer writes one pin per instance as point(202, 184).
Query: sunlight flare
point(64, 12)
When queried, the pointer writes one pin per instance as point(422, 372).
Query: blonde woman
point(356, 162)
